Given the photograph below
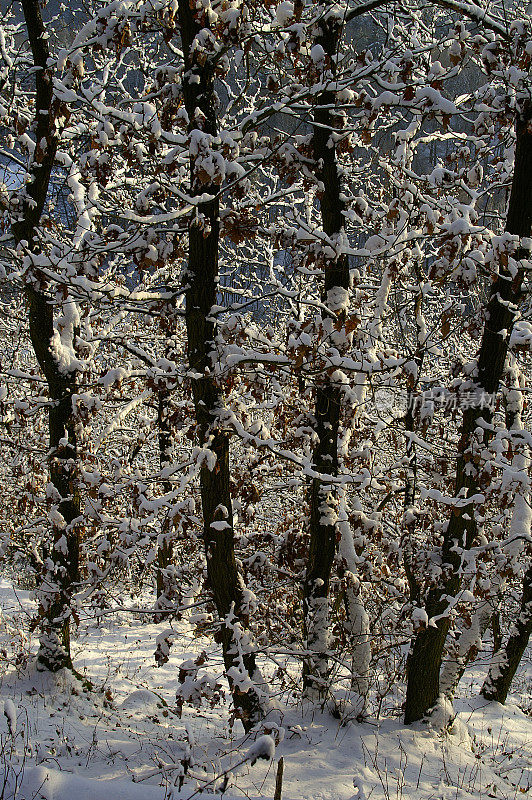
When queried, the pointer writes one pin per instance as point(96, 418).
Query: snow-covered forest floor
point(123, 740)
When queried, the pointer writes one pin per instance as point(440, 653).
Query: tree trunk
point(164, 546)
point(323, 504)
point(496, 631)
point(465, 649)
point(423, 687)
point(201, 287)
point(505, 662)
point(62, 572)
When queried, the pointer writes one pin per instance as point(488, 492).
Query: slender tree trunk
point(464, 650)
point(323, 503)
point(423, 687)
point(165, 387)
point(164, 546)
point(506, 661)
point(409, 520)
point(496, 631)
point(357, 626)
point(63, 571)
point(201, 287)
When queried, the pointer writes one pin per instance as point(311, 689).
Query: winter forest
point(265, 439)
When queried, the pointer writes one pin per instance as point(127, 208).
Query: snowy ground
point(124, 741)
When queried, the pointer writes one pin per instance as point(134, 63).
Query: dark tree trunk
point(165, 550)
point(323, 532)
point(505, 662)
point(407, 540)
point(165, 387)
point(464, 649)
point(60, 578)
point(424, 668)
point(496, 631)
point(201, 287)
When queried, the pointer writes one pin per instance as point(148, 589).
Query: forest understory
point(125, 737)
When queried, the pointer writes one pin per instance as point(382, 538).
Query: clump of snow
point(338, 299)
point(442, 714)
point(360, 794)
point(141, 701)
point(284, 13)
point(263, 747)
point(419, 618)
point(317, 54)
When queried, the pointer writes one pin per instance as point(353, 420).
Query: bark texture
point(487, 614)
point(164, 549)
point(424, 666)
point(60, 578)
point(323, 530)
point(201, 288)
